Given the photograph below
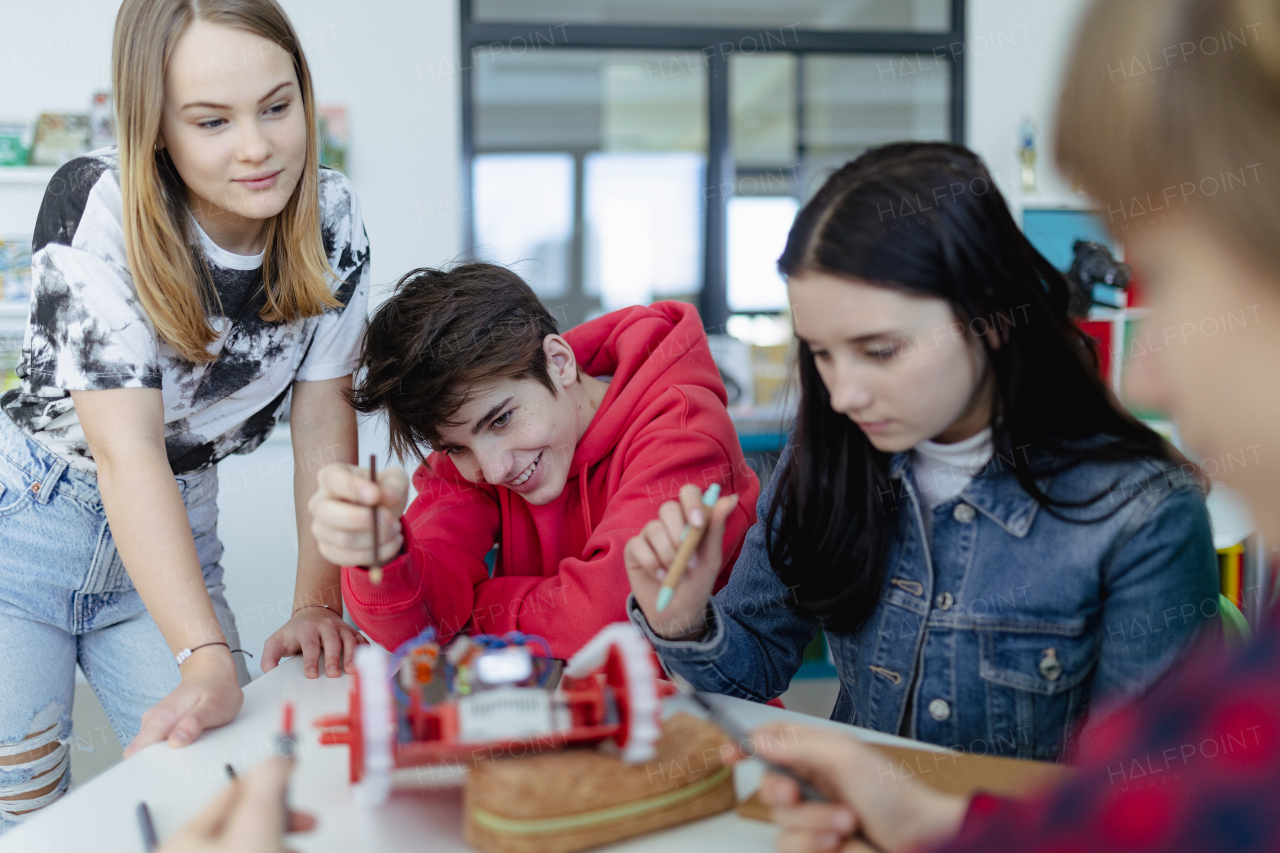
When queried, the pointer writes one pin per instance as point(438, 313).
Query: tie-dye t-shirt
point(88, 331)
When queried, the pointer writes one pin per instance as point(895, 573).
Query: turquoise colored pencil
point(690, 537)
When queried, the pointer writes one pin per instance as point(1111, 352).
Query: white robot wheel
point(377, 726)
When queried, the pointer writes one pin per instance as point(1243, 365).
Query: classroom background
point(614, 153)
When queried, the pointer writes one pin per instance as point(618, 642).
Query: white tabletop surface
point(100, 816)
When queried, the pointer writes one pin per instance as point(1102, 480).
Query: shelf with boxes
point(22, 188)
point(15, 299)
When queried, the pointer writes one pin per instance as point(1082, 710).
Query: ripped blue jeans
point(65, 598)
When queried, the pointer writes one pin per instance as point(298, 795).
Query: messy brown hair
point(1173, 106)
point(439, 335)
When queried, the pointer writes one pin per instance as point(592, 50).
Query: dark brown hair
point(1173, 105)
point(439, 335)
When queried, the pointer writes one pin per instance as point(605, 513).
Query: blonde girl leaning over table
point(185, 284)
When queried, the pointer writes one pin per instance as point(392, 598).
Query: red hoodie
point(560, 571)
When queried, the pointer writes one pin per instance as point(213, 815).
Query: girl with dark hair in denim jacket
point(991, 544)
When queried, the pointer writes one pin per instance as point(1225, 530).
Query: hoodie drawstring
point(586, 501)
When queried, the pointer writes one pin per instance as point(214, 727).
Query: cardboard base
point(574, 799)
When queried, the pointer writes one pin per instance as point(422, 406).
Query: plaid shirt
point(1193, 766)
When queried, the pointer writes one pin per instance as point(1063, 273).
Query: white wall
point(394, 64)
point(1016, 52)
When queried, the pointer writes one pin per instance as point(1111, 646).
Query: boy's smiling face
point(516, 433)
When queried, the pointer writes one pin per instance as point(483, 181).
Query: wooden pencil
point(690, 538)
point(375, 568)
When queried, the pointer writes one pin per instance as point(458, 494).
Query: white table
point(100, 816)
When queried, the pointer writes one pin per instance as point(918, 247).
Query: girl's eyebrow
point(860, 339)
point(871, 336)
point(212, 106)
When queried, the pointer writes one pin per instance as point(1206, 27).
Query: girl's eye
point(278, 108)
point(211, 123)
point(883, 353)
point(821, 355)
point(502, 420)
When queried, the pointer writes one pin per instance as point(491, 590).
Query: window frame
point(713, 300)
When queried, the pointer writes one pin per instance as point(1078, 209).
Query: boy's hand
point(341, 517)
point(866, 794)
point(649, 555)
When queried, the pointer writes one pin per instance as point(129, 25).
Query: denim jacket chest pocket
point(1037, 684)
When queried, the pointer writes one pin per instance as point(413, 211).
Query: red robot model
point(483, 695)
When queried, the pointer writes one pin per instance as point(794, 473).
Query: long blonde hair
point(168, 266)
point(1172, 106)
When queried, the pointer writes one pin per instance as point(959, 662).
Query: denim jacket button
point(944, 601)
point(939, 710)
point(1050, 666)
point(963, 513)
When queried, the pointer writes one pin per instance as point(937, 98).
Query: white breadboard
point(505, 713)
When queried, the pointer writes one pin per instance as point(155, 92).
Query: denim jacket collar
point(995, 492)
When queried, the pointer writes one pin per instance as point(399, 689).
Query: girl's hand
point(208, 696)
point(867, 794)
point(310, 630)
point(247, 817)
point(648, 556)
point(341, 519)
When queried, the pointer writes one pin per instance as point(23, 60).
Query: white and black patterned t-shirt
point(88, 331)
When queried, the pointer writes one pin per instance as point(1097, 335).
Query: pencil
point(231, 771)
point(375, 568)
point(807, 791)
point(149, 840)
point(286, 746)
point(690, 537)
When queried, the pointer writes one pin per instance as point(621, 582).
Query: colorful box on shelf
point(1231, 573)
point(15, 271)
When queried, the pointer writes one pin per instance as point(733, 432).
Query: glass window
point(614, 161)
point(852, 103)
point(907, 15)
point(549, 100)
point(762, 110)
point(524, 216)
point(758, 229)
point(644, 227)
point(795, 119)
point(588, 170)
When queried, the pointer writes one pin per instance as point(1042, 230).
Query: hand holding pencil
point(343, 510)
point(674, 561)
point(245, 817)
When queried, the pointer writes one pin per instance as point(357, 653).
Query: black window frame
point(713, 300)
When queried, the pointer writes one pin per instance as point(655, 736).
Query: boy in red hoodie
point(556, 448)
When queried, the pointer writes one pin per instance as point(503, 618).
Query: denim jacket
point(996, 636)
